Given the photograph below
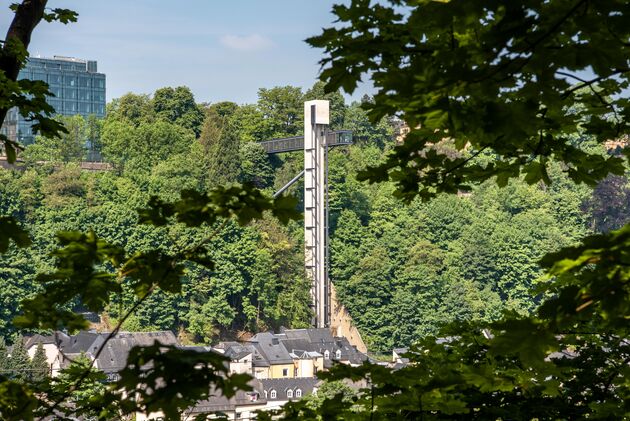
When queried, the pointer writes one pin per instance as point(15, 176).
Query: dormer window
point(298, 393)
point(338, 354)
point(326, 355)
point(273, 394)
point(289, 393)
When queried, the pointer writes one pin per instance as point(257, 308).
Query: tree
point(68, 147)
point(139, 148)
point(255, 165)
point(178, 106)
point(221, 149)
point(4, 358)
point(250, 124)
point(19, 361)
point(356, 119)
point(609, 205)
point(282, 107)
point(225, 109)
point(39, 365)
point(131, 108)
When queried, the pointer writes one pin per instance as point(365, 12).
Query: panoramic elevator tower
point(316, 121)
point(328, 312)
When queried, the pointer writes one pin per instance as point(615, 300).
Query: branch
point(532, 46)
point(467, 160)
point(28, 14)
point(588, 83)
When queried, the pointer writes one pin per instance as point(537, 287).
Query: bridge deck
point(296, 143)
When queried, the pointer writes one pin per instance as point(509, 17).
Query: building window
point(285, 372)
point(273, 394)
point(54, 79)
point(338, 354)
point(326, 355)
point(69, 93)
point(289, 393)
point(298, 393)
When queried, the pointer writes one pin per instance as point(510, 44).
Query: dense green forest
point(402, 271)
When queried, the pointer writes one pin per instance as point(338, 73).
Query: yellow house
point(270, 347)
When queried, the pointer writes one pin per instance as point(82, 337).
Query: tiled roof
point(58, 338)
point(86, 342)
point(281, 386)
point(217, 402)
point(271, 348)
point(114, 355)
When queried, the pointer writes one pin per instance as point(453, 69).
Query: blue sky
point(222, 50)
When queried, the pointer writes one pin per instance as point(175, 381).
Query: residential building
point(321, 341)
point(77, 87)
point(61, 349)
point(51, 344)
point(277, 392)
point(237, 352)
point(240, 407)
point(274, 352)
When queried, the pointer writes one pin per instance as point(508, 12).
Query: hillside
point(401, 271)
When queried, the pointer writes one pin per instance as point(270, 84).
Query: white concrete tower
point(316, 120)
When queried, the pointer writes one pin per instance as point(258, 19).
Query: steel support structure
point(316, 120)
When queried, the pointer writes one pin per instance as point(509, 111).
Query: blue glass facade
point(77, 87)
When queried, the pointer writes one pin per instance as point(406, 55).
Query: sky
point(222, 50)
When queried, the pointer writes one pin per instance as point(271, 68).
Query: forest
point(401, 271)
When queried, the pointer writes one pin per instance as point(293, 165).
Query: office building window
point(84, 94)
point(70, 93)
point(54, 79)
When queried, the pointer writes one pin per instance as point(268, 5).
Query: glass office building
point(77, 87)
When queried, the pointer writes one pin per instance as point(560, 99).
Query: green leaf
point(10, 230)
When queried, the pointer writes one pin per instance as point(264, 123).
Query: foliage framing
point(513, 80)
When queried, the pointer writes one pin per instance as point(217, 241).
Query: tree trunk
point(28, 14)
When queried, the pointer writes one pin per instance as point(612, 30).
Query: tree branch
point(28, 14)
